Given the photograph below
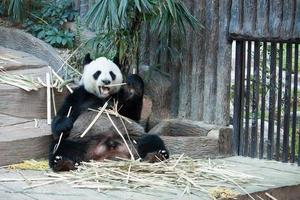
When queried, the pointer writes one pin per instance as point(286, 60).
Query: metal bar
point(294, 122)
point(263, 100)
point(279, 101)
point(272, 101)
point(255, 100)
point(237, 95)
point(287, 96)
point(241, 142)
point(247, 103)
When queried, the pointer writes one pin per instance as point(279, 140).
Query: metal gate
point(265, 118)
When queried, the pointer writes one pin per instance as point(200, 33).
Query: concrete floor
point(270, 174)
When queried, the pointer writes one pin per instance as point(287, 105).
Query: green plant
point(47, 23)
point(118, 23)
point(2, 8)
point(15, 9)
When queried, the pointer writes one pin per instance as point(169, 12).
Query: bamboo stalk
point(117, 84)
point(61, 134)
point(48, 98)
point(114, 125)
point(59, 78)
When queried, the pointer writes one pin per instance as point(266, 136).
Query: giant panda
point(94, 90)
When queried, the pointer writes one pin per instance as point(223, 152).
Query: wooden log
point(222, 115)
point(198, 65)
point(194, 138)
point(103, 125)
point(210, 87)
point(21, 41)
point(16, 60)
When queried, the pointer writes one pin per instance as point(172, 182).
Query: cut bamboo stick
point(48, 98)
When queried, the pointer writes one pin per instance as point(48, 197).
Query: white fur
point(105, 66)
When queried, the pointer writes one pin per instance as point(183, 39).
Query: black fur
point(130, 102)
point(151, 143)
point(80, 100)
point(96, 75)
point(113, 76)
point(87, 59)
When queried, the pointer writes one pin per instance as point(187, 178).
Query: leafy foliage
point(15, 9)
point(119, 21)
point(44, 19)
point(2, 8)
point(47, 23)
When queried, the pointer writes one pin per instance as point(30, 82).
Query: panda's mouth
point(104, 90)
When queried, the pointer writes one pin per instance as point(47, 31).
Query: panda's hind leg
point(151, 148)
point(68, 155)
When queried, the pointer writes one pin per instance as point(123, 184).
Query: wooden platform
point(24, 133)
point(279, 180)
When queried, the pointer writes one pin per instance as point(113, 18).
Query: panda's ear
point(116, 60)
point(87, 59)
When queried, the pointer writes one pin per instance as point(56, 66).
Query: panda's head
point(99, 74)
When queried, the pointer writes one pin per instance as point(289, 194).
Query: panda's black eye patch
point(113, 76)
point(96, 74)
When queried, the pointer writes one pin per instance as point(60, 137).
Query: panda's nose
point(106, 82)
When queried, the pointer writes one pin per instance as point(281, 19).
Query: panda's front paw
point(62, 125)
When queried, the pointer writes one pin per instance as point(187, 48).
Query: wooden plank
point(236, 24)
point(263, 101)
point(288, 19)
point(295, 101)
point(287, 97)
point(262, 21)
point(265, 20)
point(272, 101)
point(255, 101)
point(249, 17)
point(247, 96)
point(242, 102)
point(275, 18)
point(237, 96)
point(296, 32)
point(279, 101)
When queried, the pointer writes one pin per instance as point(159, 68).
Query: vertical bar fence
point(266, 100)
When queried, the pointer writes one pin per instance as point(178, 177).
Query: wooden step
point(22, 139)
point(13, 60)
point(20, 103)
